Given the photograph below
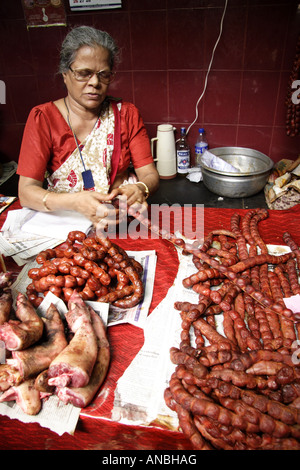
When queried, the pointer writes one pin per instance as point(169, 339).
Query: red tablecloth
point(97, 432)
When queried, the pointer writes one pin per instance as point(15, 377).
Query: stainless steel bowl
point(254, 169)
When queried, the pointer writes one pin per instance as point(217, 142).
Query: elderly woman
point(85, 143)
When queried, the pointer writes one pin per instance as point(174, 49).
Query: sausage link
point(76, 235)
point(45, 255)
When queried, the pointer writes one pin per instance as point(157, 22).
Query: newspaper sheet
point(54, 415)
point(20, 245)
point(139, 393)
point(56, 224)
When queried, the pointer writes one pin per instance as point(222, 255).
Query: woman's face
point(88, 94)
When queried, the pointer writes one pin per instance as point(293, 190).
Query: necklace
point(87, 176)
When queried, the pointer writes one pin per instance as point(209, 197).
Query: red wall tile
point(222, 97)
point(122, 86)
point(283, 146)
point(166, 47)
point(185, 90)
point(148, 31)
point(186, 39)
point(266, 33)
point(15, 46)
point(229, 54)
point(150, 91)
point(258, 97)
point(257, 138)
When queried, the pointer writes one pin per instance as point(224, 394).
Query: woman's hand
point(96, 206)
point(134, 193)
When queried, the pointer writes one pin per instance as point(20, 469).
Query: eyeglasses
point(84, 75)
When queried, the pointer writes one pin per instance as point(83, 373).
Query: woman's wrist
point(46, 207)
point(53, 201)
point(145, 189)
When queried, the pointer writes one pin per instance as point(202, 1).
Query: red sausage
point(34, 273)
point(55, 290)
point(70, 281)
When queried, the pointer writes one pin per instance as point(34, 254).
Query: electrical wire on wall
point(209, 66)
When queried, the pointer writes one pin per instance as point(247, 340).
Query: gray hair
point(85, 36)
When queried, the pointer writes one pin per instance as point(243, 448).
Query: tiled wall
point(166, 48)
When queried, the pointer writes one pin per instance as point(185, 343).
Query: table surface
point(95, 431)
point(180, 190)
